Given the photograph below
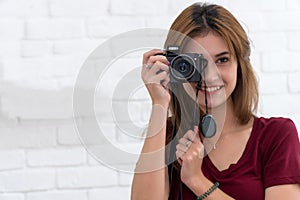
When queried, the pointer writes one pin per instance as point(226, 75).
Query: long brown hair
point(198, 20)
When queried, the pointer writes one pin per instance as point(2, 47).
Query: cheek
point(229, 75)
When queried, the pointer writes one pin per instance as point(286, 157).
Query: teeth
point(212, 89)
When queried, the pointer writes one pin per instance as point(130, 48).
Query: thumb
point(196, 132)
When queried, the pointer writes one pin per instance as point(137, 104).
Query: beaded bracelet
point(209, 191)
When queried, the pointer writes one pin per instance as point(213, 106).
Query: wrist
point(164, 105)
point(198, 184)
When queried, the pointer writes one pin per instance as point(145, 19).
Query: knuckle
point(164, 73)
point(181, 140)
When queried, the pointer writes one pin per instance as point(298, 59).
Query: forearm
point(150, 180)
point(201, 184)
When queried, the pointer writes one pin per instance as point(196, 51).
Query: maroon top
point(271, 157)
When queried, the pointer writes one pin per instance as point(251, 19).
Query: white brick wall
point(43, 46)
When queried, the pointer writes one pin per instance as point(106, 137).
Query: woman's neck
point(225, 117)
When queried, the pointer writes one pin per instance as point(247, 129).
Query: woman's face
point(220, 74)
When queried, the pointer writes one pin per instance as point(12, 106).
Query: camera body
point(186, 67)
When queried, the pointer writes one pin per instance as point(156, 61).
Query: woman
point(251, 158)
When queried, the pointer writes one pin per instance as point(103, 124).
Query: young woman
point(251, 157)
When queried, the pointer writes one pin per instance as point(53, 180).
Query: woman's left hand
point(190, 152)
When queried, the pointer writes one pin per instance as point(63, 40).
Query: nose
point(210, 73)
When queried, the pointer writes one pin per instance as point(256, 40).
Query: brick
point(10, 49)
point(162, 22)
point(136, 7)
point(33, 8)
point(109, 26)
point(20, 8)
point(123, 81)
point(294, 41)
point(140, 94)
point(252, 21)
point(293, 4)
point(58, 195)
point(279, 61)
point(56, 157)
point(130, 132)
point(43, 68)
point(67, 135)
point(12, 159)
point(40, 104)
point(12, 196)
point(175, 8)
point(27, 180)
point(54, 29)
point(273, 83)
point(115, 155)
point(108, 130)
point(286, 21)
point(241, 6)
point(110, 193)
point(294, 82)
point(11, 29)
point(270, 42)
point(126, 111)
point(76, 47)
point(84, 177)
point(36, 48)
point(93, 160)
point(125, 179)
point(27, 137)
point(280, 104)
point(269, 5)
point(78, 8)
point(238, 7)
point(255, 59)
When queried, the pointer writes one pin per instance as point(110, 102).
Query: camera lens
point(182, 67)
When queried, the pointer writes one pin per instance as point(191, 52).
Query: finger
point(184, 141)
point(179, 154)
point(179, 161)
point(166, 82)
point(196, 130)
point(193, 135)
point(145, 68)
point(157, 67)
point(178, 157)
point(189, 135)
point(182, 147)
point(157, 78)
point(160, 58)
point(150, 53)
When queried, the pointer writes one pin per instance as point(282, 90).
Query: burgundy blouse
point(271, 157)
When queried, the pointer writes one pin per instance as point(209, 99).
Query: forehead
point(212, 44)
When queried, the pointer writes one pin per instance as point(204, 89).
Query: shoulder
point(275, 127)
point(274, 122)
point(279, 150)
point(275, 131)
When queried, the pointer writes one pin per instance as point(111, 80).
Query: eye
point(222, 60)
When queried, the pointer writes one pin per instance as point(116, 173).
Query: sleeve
point(281, 157)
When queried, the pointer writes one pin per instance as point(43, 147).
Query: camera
point(185, 67)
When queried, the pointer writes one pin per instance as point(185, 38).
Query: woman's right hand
point(155, 74)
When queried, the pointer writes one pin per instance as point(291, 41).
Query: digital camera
point(185, 67)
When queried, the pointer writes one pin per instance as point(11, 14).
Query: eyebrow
point(222, 53)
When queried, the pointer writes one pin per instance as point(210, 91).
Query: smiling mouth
point(211, 89)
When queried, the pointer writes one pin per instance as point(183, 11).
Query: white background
point(43, 44)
